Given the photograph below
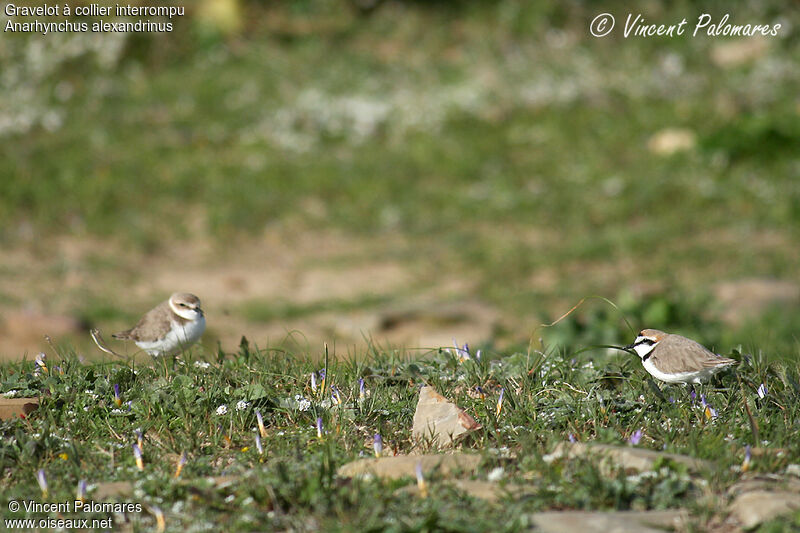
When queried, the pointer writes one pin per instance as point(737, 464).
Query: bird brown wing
point(685, 355)
point(719, 361)
point(154, 325)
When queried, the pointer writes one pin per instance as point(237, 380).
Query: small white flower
point(241, 405)
point(11, 393)
point(496, 474)
point(202, 365)
point(303, 405)
point(762, 391)
point(222, 410)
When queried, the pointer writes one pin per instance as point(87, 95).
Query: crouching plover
point(675, 359)
point(170, 327)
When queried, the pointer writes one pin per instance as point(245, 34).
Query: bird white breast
point(680, 377)
point(180, 337)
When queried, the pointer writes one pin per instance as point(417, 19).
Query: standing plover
point(676, 359)
point(170, 327)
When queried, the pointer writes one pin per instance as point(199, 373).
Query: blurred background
point(406, 172)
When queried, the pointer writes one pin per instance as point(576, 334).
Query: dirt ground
point(285, 287)
point(300, 288)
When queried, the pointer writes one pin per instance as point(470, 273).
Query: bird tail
point(720, 361)
point(122, 335)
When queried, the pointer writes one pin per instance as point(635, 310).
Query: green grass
point(79, 433)
point(499, 145)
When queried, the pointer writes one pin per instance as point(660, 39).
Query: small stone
point(15, 407)
point(627, 458)
point(757, 506)
point(484, 490)
point(112, 489)
point(729, 54)
point(609, 522)
point(440, 420)
point(671, 140)
point(401, 466)
point(764, 482)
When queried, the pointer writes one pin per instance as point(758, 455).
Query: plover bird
point(676, 359)
point(170, 327)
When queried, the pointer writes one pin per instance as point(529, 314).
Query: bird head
point(646, 341)
point(186, 305)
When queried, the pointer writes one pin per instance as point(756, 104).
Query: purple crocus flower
point(462, 352)
point(181, 463)
point(500, 401)
point(423, 487)
point(319, 427)
point(137, 454)
point(41, 478)
point(747, 456)
point(636, 437)
point(261, 429)
point(709, 411)
point(377, 445)
point(80, 493)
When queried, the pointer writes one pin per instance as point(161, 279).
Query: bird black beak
point(629, 347)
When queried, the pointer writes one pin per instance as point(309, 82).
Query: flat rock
point(15, 407)
point(489, 490)
point(768, 482)
point(439, 420)
point(757, 506)
point(672, 140)
point(484, 490)
point(609, 522)
point(732, 53)
point(112, 489)
point(401, 466)
point(625, 457)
